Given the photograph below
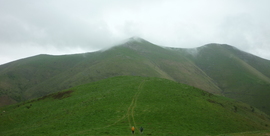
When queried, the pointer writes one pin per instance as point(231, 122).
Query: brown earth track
point(129, 114)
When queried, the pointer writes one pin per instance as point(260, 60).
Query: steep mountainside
point(113, 105)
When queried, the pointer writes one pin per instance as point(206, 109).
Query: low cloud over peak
point(63, 27)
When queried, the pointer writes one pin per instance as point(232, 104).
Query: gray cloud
point(69, 26)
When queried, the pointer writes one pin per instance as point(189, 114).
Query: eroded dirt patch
point(212, 101)
point(61, 95)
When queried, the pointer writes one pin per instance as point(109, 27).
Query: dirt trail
point(129, 115)
point(130, 112)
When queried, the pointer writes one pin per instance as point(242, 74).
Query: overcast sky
point(32, 27)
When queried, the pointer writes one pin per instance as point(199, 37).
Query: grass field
point(112, 106)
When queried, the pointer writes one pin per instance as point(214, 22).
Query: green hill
point(215, 68)
point(239, 75)
point(112, 106)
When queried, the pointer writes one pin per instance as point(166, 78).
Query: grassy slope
point(23, 74)
point(262, 65)
point(236, 73)
point(44, 74)
point(112, 106)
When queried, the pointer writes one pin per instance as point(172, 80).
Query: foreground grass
point(112, 106)
point(252, 133)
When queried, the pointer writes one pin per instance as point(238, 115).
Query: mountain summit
point(215, 68)
point(137, 39)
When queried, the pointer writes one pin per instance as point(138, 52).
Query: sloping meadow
point(113, 105)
